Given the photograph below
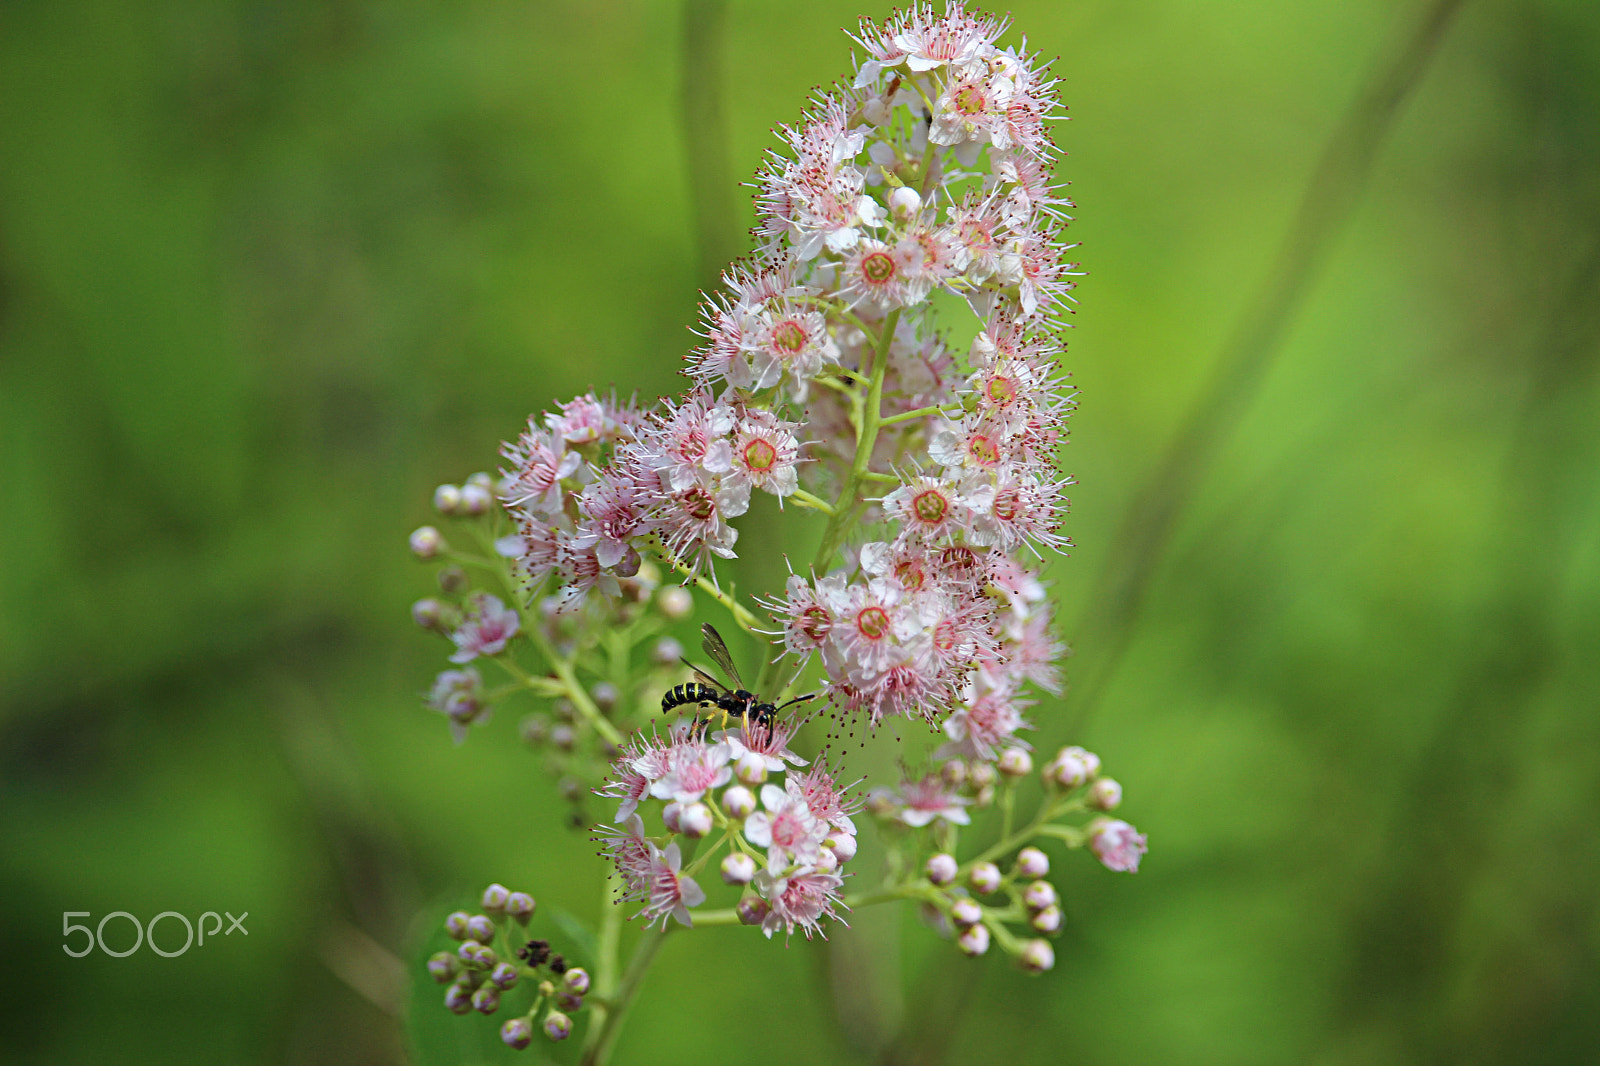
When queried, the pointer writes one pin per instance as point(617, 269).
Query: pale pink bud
point(738, 869)
point(576, 980)
point(751, 769)
point(965, 913)
point(843, 845)
point(517, 1033)
point(696, 821)
point(426, 542)
point(671, 815)
point(666, 652)
point(447, 499)
point(1037, 956)
point(495, 898)
point(675, 602)
point(942, 869)
point(557, 1026)
point(1047, 921)
point(1015, 762)
point(1031, 862)
point(1039, 895)
point(739, 802)
point(475, 500)
point(984, 878)
point(752, 910)
point(1105, 794)
point(974, 941)
point(520, 906)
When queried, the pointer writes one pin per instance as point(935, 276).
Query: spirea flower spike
point(927, 477)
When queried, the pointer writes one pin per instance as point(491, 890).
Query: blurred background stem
point(1135, 553)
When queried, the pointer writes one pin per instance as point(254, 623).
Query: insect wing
point(705, 678)
point(718, 651)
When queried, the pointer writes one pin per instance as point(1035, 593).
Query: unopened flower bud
point(455, 926)
point(1039, 895)
point(904, 202)
point(984, 797)
point(826, 861)
point(475, 500)
point(1037, 956)
point(627, 568)
point(739, 802)
point(486, 1000)
point(1091, 761)
point(481, 479)
point(428, 613)
point(520, 906)
point(565, 709)
point(738, 869)
point(447, 499)
point(605, 696)
point(1047, 921)
point(480, 928)
point(941, 868)
point(1031, 862)
point(752, 910)
point(504, 975)
point(534, 729)
point(426, 542)
point(671, 816)
point(495, 897)
point(666, 652)
point(443, 966)
point(954, 773)
point(696, 821)
point(576, 980)
point(458, 998)
point(557, 1026)
point(562, 736)
point(1117, 844)
point(452, 579)
point(517, 1033)
point(1066, 771)
point(1015, 762)
point(973, 940)
point(566, 1001)
point(843, 845)
point(1105, 794)
point(966, 913)
point(675, 602)
point(984, 878)
point(751, 769)
point(981, 775)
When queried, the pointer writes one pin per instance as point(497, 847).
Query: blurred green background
point(270, 271)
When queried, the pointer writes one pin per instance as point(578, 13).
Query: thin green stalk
point(574, 691)
point(871, 419)
point(741, 614)
point(805, 499)
point(609, 1024)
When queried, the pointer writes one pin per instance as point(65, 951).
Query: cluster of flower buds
point(977, 902)
point(788, 830)
point(490, 963)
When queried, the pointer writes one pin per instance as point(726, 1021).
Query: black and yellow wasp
point(707, 691)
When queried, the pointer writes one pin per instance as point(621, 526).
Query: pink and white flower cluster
point(788, 847)
point(599, 481)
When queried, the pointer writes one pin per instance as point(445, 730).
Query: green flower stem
point(907, 416)
point(1047, 810)
point(574, 691)
point(608, 1018)
point(871, 419)
point(741, 614)
point(805, 499)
